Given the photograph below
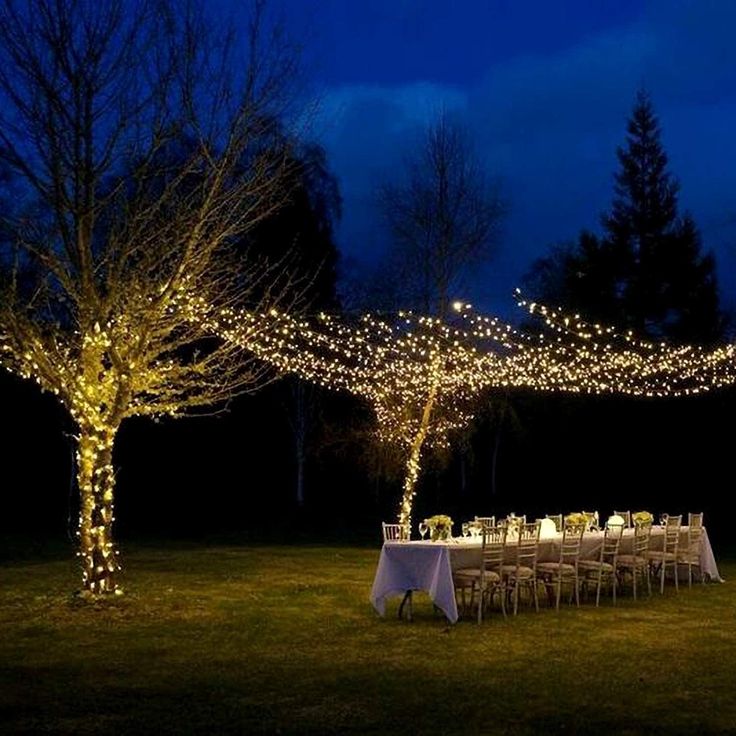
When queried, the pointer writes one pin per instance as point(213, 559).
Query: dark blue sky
point(545, 89)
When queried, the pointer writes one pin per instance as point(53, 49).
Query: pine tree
point(648, 272)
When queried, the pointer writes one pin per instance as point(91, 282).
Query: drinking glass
point(423, 529)
point(466, 529)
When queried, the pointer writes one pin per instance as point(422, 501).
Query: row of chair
point(503, 575)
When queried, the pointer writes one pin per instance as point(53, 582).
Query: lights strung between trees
point(422, 375)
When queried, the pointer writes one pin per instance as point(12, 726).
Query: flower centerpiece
point(641, 517)
point(577, 519)
point(440, 527)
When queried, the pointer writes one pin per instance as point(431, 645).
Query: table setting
point(427, 564)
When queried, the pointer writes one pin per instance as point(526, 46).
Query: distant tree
point(302, 233)
point(302, 230)
point(146, 150)
point(444, 218)
point(648, 271)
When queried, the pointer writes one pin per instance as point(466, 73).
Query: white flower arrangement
point(440, 527)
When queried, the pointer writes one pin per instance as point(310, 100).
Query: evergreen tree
point(648, 272)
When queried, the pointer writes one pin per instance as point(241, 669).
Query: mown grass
point(283, 640)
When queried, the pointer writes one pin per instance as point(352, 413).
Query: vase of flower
point(440, 527)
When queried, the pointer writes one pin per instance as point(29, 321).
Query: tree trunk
point(463, 475)
point(300, 411)
point(96, 481)
point(494, 462)
point(413, 463)
point(300, 462)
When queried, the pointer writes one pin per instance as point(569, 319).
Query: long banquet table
point(428, 566)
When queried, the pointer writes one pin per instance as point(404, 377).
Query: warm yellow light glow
point(421, 375)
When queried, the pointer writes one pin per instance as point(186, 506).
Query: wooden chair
point(394, 532)
point(660, 559)
point(603, 570)
point(690, 556)
point(557, 518)
point(486, 520)
point(487, 579)
point(399, 533)
point(626, 516)
point(565, 570)
point(522, 572)
point(637, 563)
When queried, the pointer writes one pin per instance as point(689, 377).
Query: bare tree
point(143, 145)
point(444, 218)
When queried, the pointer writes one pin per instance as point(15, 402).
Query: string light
point(422, 375)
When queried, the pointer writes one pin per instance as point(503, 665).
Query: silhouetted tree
point(648, 271)
point(302, 232)
point(444, 219)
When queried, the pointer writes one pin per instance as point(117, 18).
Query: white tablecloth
point(428, 566)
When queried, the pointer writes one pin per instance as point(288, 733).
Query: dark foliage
point(647, 272)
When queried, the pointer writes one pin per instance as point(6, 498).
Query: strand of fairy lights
point(397, 363)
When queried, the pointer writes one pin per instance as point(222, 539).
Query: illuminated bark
point(96, 481)
point(413, 463)
point(146, 145)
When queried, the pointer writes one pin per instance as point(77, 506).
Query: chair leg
point(662, 570)
point(614, 583)
point(407, 601)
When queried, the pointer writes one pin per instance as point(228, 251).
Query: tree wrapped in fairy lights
point(142, 147)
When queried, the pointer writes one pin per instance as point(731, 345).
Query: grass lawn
point(283, 640)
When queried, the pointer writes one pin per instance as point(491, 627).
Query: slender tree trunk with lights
point(413, 463)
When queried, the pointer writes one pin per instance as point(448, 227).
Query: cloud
point(549, 126)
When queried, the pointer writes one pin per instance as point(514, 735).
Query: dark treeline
point(295, 462)
point(234, 475)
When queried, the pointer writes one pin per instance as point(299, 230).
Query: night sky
point(545, 89)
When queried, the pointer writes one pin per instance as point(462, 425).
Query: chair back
point(394, 532)
point(642, 537)
point(572, 538)
point(557, 518)
point(527, 546)
point(516, 519)
point(672, 534)
point(626, 516)
point(694, 535)
point(492, 549)
point(486, 520)
point(611, 543)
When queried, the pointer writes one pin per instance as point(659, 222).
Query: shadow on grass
point(262, 639)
